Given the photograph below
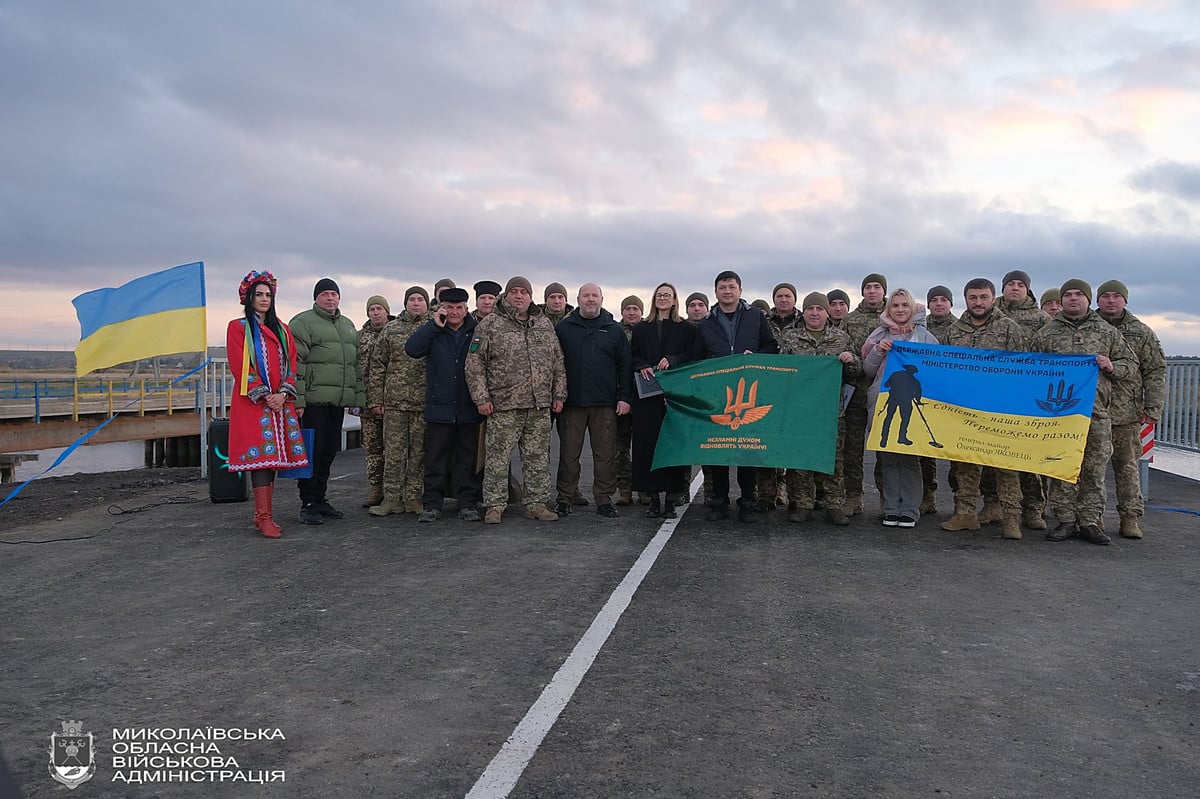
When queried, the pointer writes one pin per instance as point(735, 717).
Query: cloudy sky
point(390, 143)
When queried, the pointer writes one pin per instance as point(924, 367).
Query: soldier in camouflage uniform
point(632, 309)
point(772, 483)
point(1135, 402)
point(1020, 305)
point(1078, 330)
point(555, 306)
point(1051, 302)
point(984, 327)
point(815, 336)
point(938, 319)
point(396, 391)
point(379, 313)
point(839, 308)
point(860, 323)
point(516, 375)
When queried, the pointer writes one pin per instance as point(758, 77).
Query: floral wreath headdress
point(253, 277)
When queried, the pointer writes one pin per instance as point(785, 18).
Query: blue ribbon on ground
point(83, 438)
point(1174, 510)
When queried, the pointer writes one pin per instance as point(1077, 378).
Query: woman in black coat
point(662, 341)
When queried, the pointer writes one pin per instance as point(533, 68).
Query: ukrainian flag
point(158, 314)
point(1025, 411)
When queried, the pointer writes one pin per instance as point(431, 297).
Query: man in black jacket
point(451, 418)
point(733, 328)
point(599, 386)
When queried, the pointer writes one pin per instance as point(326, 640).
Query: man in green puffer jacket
point(328, 381)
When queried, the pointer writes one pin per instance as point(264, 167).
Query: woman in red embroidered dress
point(264, 431)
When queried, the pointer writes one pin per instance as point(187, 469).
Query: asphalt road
point(755, 660)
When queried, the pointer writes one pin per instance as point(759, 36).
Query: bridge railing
point(64, 396)
point(1180, 425)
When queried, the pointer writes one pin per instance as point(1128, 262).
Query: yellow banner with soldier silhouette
point(1026, 411)
point(752, 410)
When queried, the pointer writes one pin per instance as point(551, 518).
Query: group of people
point(446, 394)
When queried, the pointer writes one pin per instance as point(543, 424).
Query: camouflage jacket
point(998, 332)
point(861, 323)
point(516, 364)
point(367, 336)
point(627, 330)
point(939, 327)
point(1090, 335)
point(554, 318)
point(1026, 313)
point(781, 323)
point(1146, 391)
point(833, 341)
point(396, 381)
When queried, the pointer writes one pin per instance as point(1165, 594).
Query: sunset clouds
point(395, 143)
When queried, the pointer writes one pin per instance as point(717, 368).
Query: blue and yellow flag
point(1025, 411)
point(158, 314)
point(752, 410)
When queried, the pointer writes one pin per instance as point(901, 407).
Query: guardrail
point(56, 396)
point(1180, 425)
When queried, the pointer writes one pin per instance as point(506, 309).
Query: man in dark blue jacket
point(451, 418)
point(599, 387)
point(733, 328)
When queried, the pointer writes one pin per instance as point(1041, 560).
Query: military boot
point(386, 507)
point(414, 506)
point(1012, 524)
point(624, 498)
point(964, 518)
point(800, 515)
point(992, 512)
point(853, 506)
point(373, 498)
point(1129, 526)
point(928, 504)
point(1032, 518)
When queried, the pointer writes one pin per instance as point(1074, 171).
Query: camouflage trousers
point(372, 444)
point(1033, 494)
point(624, 480)
point(528, 429)
point(1006, 484)
point(802, 485)
point(403, 456)
point(855, 443)
point(1082, 502)
point(1126, 452)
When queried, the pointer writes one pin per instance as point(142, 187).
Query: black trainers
point(328, 511)
point(719, 511)
point(1094, 535)
point(906, 521)
point(745, 512)
point(428, 515)
point(654, 509)
point(563, 508)
point(668, 511)
point(310, 515)
point(469, 515)
point(606, 510)
point(1061, 532)
point(891, 520)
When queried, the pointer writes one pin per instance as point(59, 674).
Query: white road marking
point(501, 775)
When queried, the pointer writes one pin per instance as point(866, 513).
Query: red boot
point(262, 512)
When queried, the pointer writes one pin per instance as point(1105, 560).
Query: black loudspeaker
point(223, 485)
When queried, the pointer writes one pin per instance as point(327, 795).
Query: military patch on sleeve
point(475, 344)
